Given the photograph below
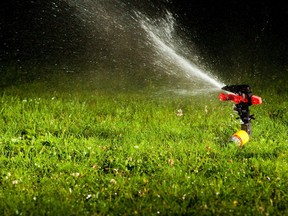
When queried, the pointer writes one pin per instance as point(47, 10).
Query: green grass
point(93, 152)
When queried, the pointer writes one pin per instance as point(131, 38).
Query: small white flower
point(113, 181)
point(76, 174)
point(15, 182)
point(115, 171)
point(179, 112)
point(206, 109)
point(88, 196)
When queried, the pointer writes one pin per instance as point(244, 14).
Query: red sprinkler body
point(242, 96)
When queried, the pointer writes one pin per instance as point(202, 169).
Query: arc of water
point(189, 68)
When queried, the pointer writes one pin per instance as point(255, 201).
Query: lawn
point(72, 150)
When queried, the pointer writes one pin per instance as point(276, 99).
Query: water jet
point(138, 41)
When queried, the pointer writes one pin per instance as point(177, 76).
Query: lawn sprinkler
point(242, 96)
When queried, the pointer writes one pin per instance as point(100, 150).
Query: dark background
point(232, 35)
point(254, 32)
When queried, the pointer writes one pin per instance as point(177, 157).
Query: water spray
point(167, 44)
point(129, 36)
point(243, 97)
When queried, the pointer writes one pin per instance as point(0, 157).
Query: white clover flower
point(184, 197)
point(179, 112)
point(113, 181)
point(206, 109)
point(75, 174)
point(115, 171)
point(15, 182)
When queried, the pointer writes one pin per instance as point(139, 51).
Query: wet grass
point(89, 152)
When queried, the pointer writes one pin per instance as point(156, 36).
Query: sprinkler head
point(241, 94)
point(243, 97)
